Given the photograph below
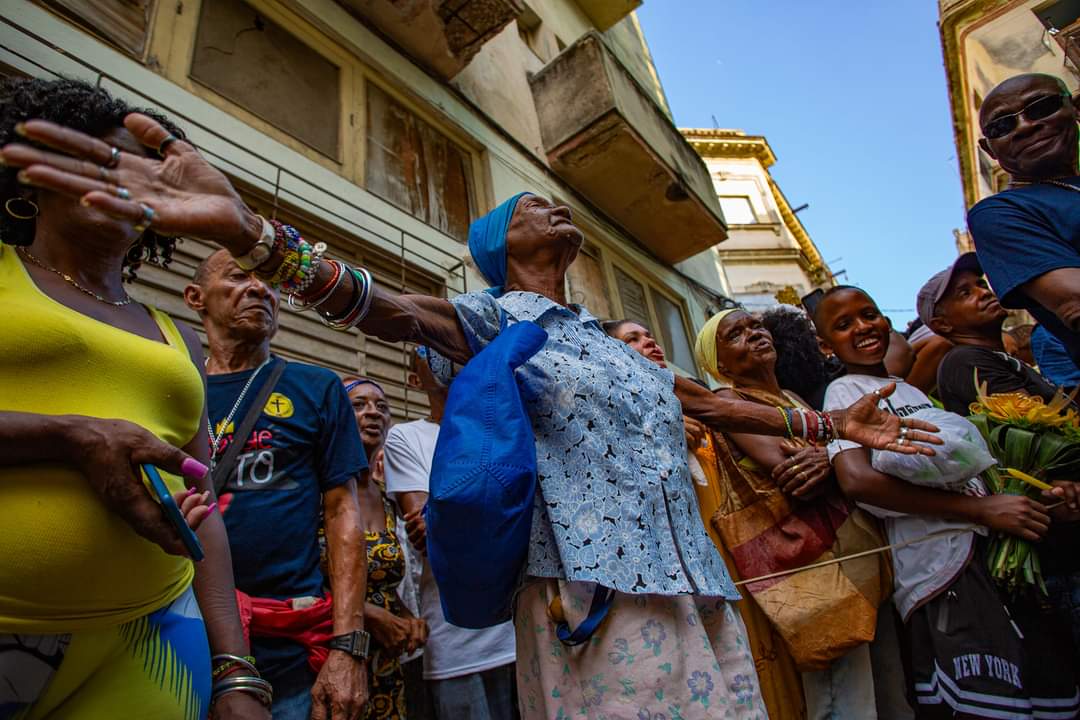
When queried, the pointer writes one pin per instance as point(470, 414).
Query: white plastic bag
point(963, 455)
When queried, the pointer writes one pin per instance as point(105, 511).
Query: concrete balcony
point(608, 139)
point(441, 35)
point(605, 13)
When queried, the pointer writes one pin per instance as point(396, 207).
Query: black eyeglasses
point(1044, 107)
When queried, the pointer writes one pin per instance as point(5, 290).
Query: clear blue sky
point(852, 98)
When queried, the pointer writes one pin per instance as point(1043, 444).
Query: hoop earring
point(29, 209)
point(136, 253)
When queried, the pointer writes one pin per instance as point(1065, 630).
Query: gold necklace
point(71, 281)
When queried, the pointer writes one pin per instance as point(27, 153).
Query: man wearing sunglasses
point(1028, 236)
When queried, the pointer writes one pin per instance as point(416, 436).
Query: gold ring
point(795, 467)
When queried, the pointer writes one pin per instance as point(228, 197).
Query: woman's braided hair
point(80, 106)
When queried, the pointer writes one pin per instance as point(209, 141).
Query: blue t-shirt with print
point(304, 443)
point(1026, 232)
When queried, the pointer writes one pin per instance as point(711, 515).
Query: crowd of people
point(686, 557)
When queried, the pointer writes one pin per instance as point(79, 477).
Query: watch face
point(259, 253)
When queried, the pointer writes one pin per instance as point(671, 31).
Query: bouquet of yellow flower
point(1034, 443)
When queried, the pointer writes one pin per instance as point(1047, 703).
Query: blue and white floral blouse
point(615, 504)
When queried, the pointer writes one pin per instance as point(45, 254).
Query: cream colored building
point(768, 256)
point(384, 127)
point(985, 42)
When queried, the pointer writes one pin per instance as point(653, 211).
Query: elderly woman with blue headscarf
point(615, 506)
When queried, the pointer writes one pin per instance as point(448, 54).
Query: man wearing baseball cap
point(957, 304)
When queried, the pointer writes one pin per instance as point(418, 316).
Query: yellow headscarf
point(705, 346)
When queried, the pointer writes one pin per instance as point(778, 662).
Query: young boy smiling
point(967, 656)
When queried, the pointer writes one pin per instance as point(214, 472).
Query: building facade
point(768, 256)
point(987, 41)
point(384, 127)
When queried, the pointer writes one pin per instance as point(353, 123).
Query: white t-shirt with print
point(924, 569)
point(451, 651)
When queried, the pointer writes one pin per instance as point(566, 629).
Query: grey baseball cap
point(934, 289)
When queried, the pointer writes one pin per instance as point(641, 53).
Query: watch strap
point(253, 258)
point(357, 643)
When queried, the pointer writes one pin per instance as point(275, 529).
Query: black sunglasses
point(1044, 107)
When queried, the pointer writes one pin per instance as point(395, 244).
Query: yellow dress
point(779, 680)
point(70, 563)
point(95, 621)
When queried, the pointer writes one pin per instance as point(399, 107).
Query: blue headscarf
point(487, 242)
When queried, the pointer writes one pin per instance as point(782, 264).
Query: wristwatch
point(260, 251)
point(357, 643)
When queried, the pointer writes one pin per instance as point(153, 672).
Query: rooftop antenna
point(716, 125)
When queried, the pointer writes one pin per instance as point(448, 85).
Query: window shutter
point(123, 23)
point(632, 295)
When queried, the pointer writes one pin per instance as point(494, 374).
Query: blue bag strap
point(598, 610)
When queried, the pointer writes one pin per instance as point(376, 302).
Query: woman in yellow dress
point(101, 614)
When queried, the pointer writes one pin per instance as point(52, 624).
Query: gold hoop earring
point(28, 211)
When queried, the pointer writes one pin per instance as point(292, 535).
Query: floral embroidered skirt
point(655, 657)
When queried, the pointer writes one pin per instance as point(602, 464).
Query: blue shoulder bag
point(483, 481)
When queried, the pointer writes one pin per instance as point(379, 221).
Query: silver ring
point(877, 394)
point(103, 172)
point(147, 218)
point(903, 431)
point(122, 193)
point(114, 157)
point(901, 440)
point(169, 140)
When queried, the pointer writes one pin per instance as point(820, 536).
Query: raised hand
point(186, 194)
point(874, 428)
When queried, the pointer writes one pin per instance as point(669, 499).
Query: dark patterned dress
point(386, 569)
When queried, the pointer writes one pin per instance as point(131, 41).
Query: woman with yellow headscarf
point(773, 505)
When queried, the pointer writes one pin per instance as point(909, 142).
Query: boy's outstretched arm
point(1014, 514)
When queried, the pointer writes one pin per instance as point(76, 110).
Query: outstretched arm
point(863, 422)
point(186, 195)
point(1015, 514)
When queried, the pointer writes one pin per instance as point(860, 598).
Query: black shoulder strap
point(224, 468)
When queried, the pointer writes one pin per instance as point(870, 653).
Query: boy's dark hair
point(83, 107)
point(800, 365)
point(816, 317)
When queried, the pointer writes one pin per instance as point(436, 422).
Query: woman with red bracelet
point(781, 508)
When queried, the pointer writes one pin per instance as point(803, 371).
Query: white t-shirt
point(924, 569)
point(451, 651)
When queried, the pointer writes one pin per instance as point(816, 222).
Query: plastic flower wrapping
point(1035, 443)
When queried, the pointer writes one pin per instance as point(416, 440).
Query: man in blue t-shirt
point(1028, 237)
point(298, 465)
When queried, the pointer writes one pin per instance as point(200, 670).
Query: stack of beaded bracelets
point(296, 275)
point(299, 263)
point(817, 427)
point(225, 681)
